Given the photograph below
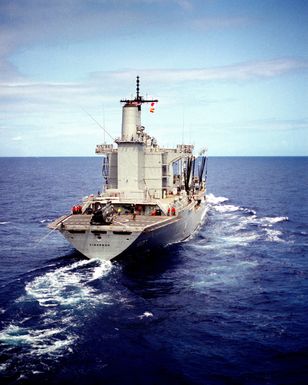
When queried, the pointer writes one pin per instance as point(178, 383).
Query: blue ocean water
point(229, 306)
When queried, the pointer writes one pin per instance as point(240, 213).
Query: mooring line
point(51, 231)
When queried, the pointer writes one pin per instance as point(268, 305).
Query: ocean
point(228, 306)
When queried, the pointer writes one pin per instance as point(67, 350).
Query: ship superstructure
point(152, 196)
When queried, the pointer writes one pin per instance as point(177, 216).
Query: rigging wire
point(113, 139)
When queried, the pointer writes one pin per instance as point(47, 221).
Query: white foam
point(101, 270)
point(55, 346)
point(273, 235)
point(248, 211)
point(273, 220)
point(218, 204)
point(46, 220)
point(241, 239)
point(227, 208)
point(67, 286)
point(14, 335)
point(59, 293)
point(39, 341)
point(4, 223)
point(212, 199)
point(3, 367)
point(231, 273)
point(146, 314)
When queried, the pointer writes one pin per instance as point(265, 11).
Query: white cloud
point(103, 87)
point(235, 72)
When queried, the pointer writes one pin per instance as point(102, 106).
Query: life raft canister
point(77, 209)
point(173, 211)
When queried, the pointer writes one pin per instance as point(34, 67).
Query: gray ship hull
point(182, 228)
point(128, 236)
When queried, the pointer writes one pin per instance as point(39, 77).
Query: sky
point(230, 75)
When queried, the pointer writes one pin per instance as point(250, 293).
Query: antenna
point(137, 88)
point(104, 123)
point(98, 124)
point(138, 99)
point(183, 123)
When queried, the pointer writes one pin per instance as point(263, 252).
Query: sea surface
point(229, 306)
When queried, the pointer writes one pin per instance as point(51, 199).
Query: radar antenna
point(138, 101)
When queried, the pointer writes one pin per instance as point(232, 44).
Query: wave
point(243, 225)
point(45, 220)
point(213, 200)
point(218, 203)
point(229, 273)
point(62, 296)
point(146, 314)
point(272, 220)
point(227, 208)
point(67, 285)
point(273, 235)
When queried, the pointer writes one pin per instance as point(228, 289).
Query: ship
point(151, 197)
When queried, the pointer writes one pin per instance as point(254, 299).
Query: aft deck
point(124, 222)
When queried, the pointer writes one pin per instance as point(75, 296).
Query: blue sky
point(229, 75)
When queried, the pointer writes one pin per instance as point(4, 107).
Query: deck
point(123, 222)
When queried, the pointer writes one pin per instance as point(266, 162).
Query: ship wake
point(43, 323)
point(234, 243)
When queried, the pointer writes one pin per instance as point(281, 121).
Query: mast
point(131, 114)
point(138, 100)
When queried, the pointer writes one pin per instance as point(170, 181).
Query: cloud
point(222, 22)
point(33, 22)
point(279, 124)
point(28, 23)
point(235, 72)
point(104, 87)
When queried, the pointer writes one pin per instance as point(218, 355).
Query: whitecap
point(227, 208)
point(212, 199)
point(248, 263)
point(38, 341)
point(55, 346)
point(248, 211)
point(102, 269)
point(230, 273)
point(269, 221)
point(67, 286)
point(15, 335)
point(4, 223)
point(3, 367)
point(46, 220)
point(146, 314)
point(241, 239)
point(58, 293)
point(273, 235)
